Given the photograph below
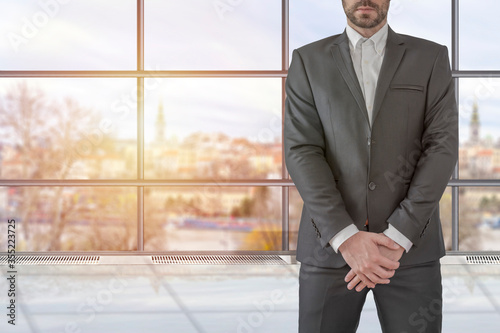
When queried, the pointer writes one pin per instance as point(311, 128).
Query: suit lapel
point(393, 54)
point(342, 57)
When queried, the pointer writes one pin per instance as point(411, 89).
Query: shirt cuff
point(342, 236)
point(398, 237)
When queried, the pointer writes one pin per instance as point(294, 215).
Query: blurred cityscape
point(479, 157)
point(46, 140)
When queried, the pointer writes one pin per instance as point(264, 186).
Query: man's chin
point(366, 22)
point(365, 25)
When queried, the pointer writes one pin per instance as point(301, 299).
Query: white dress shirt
point(367, 55)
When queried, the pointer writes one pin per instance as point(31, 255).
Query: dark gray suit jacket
point(347, 171)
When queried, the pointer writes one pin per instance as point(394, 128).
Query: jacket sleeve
point(439, 153)
point(304, 143)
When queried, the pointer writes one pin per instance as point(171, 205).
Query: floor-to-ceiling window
point(157, 125)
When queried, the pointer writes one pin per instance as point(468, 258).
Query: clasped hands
point(373, 259)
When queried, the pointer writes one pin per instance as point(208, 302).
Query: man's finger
point(380, 276)
point(388, 263)
point(383, 240)
point(360, 286)
point(349, 276)
point(354, 282)
point(383, 273)
point(375, 272)
point(376, 279)
point(369, 283)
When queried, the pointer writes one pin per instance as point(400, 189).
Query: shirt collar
point(379, 38)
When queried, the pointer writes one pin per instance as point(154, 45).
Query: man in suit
point(370, 142)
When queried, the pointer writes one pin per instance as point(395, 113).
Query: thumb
point(387, 242)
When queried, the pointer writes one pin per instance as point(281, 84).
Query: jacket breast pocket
point(409, 99)
point(407, 88)
point(401, 118)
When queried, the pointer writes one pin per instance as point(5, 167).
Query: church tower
point(474, 125)
point(160, 125)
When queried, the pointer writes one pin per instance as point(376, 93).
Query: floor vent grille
point(51, 260)
point(483, 259)
point(219, 259)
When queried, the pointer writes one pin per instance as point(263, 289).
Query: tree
point(47, 138)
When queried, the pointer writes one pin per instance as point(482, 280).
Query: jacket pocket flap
point(407, 87)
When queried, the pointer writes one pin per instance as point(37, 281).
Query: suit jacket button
point(372, 186)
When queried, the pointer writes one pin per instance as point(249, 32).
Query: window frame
point(285, 182)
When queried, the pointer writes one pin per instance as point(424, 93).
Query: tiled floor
point(209, 299)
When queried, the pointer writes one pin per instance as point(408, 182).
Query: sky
point(216, 35)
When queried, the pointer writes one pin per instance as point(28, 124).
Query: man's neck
point(367, 32)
